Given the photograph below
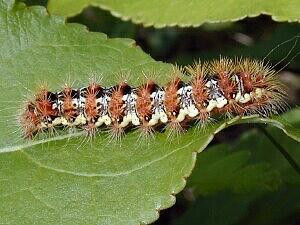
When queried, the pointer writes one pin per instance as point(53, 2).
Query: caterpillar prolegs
point(225, 86)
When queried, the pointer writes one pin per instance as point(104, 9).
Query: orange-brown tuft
point(91, 104)
point(116, 105)
point(247, 81)
point(143, 102)
point(44, 104)
point(29, 121)
point(70, 111)
point(200, 94)
point(172, 101)
point(224, 70)
point(199, 91)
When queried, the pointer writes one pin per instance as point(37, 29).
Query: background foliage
point(241, 178)
point(160, 13)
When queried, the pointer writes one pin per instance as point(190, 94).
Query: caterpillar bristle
point(123, 77)
point(223, 87)
point(29, 121)
point(116, 133)
point(175, 129)
point(146, 133)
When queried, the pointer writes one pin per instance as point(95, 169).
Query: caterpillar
point(229, 87)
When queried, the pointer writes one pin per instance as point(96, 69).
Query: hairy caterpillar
point(220, 87)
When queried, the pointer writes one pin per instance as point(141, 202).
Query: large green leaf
point(224, 208)
point(227, 208)
point(249, 165)
point(65, 179)
point(162, 13)
point(221, 168)
point(268, 194)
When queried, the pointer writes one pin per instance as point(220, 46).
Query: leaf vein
point(83, 174)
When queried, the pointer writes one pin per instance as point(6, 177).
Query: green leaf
point(224, 208)
point(221, 168)
point(264, 151)
point(227, 208)
point(281, 207)
point(248, 181)
point(249, 165)
point(66, 179)
point(161, 13)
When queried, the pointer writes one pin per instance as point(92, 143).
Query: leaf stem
point(280, 148)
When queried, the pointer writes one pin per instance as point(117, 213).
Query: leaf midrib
point(124, 173)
